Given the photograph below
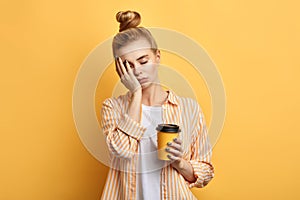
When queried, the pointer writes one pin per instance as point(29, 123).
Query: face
point(142, 60)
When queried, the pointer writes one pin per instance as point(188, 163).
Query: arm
point(121, 137)
point(180, 164)
point(198, 170)
point(201, 153)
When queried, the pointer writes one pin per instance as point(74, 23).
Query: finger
point(174, 152)
point(118, 67)
point(123, 70)
point(175, 145)
point(177, 140)
point(128, 67)
point(173, 158)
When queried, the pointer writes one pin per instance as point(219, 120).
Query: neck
point(154, 95)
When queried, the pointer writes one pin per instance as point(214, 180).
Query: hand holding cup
point(169, 146)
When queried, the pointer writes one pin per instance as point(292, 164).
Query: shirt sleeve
point(201, 153)
point(121, 137)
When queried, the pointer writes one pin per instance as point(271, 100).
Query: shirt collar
point(172, 97)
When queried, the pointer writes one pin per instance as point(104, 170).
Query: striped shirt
point(123, 135)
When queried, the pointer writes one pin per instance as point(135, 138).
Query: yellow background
point(253, 43)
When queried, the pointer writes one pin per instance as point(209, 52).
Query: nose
point(137, 70)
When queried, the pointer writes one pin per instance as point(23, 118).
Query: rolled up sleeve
point(122, 132)
point(131, 127)
point(201, 153)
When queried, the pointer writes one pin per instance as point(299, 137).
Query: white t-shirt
point(148, 182)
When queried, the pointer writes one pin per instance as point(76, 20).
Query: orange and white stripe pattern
point(123, 135)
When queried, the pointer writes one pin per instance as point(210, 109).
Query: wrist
point(179, 164)
point(137, 93)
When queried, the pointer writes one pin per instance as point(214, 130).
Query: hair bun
point(128, 19)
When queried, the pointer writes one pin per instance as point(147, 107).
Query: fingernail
point(175, 139)
point(169, 143)
point(167, 149)
point(169, 156)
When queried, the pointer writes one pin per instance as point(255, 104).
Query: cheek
point(151, 70)
point(151, 67)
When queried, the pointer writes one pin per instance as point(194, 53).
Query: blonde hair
point(129, 31)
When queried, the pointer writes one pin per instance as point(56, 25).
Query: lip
point(143, 80)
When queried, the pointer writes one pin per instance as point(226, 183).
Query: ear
point(157, 56)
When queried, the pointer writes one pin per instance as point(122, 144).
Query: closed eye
point(144, 62)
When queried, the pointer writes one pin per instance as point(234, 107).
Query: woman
point(129, 122)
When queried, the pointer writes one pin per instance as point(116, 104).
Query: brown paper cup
point(165, 133)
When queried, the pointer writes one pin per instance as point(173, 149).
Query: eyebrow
point(142, 57)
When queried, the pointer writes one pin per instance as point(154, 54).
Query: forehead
point(134, 49)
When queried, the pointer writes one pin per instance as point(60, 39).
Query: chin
point(145, 85)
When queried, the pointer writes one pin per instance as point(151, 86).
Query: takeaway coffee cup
point(165, 133)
